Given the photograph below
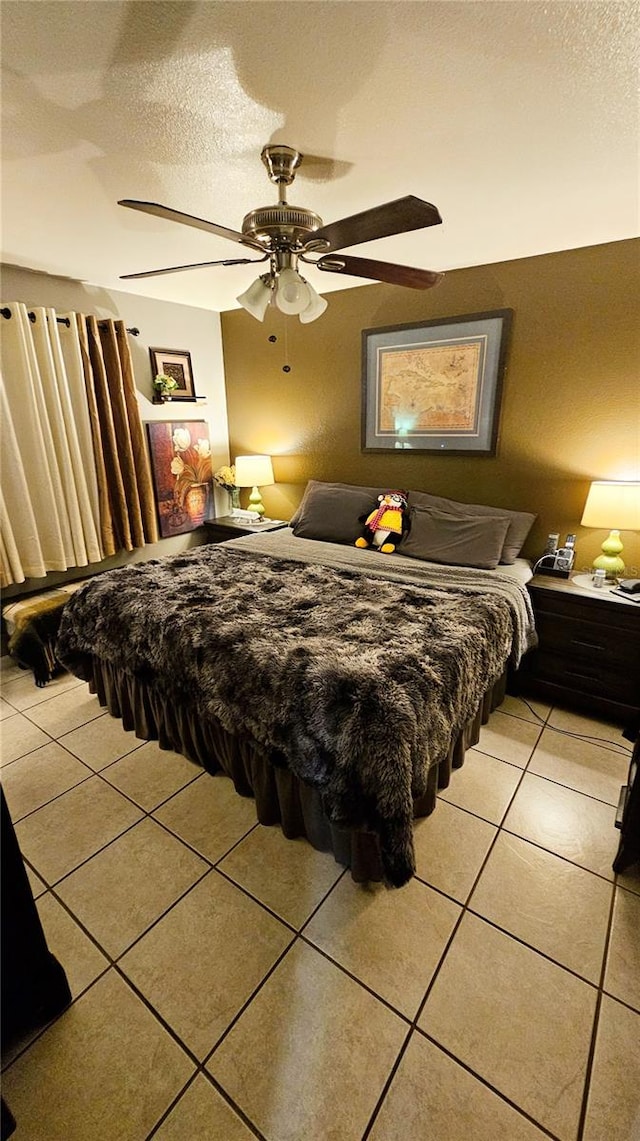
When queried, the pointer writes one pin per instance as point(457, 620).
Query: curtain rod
point(6, 312)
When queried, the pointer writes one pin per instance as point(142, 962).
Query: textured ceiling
point(518, 119)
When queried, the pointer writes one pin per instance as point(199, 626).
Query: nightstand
point(226, 527)
point(589, 649)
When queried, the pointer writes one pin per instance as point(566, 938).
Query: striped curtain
point(76, 483)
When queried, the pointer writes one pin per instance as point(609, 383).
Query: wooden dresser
point(589, 649)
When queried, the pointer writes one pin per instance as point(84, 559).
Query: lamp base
point(610, 560)
point(255, 502)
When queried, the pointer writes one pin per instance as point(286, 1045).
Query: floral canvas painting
point(182, 476)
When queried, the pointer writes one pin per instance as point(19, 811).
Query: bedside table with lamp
point(254, 472)
point(588, 654)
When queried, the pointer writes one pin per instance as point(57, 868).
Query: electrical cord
point(564, 556)
point(569, 733)
point(539, 563)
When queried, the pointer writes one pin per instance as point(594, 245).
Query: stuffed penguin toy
point(387, 523)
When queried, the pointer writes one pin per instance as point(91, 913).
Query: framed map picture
point(435, 386)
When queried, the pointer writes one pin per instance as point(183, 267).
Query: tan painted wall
point(571, 398)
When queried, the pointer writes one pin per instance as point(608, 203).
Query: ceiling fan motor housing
point(281, 162)
point(283, 225)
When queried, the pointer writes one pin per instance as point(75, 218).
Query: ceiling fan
point(286, 235)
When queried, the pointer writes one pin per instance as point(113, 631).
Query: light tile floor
point(229, 984)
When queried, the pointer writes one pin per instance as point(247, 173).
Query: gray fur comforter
point(360, 682)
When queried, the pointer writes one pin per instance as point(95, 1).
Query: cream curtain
point(48, 520)
point(76, 482)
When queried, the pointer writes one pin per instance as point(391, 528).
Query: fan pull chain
point(273, 340)
point(286, 367)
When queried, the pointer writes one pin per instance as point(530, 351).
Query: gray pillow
point(331, 511)
point(315, 486)
point(457, 540)
point(519, 523)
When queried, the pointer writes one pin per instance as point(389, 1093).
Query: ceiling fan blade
point(380, 271)
point(396, 217)
point(196, 265)
point(190, 220)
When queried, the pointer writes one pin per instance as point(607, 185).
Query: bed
point(338, 687)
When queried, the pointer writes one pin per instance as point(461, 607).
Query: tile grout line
point(201, 1072)
point(596, 1022)
point(387, 1085)
point(146, 814)
point(111, 962)
point(172, 1104)
point(57, 796)
point(502, 829)
point(441, 960)
point(558, 855)
point(256, 990)
point(113, 965)
point(211, 867)
point(298, 935)
point(40, 1031)
point(570, 788)
point(467, 909)
point(484, 1081)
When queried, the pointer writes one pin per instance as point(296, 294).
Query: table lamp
point(612, 501)
point(254, 472)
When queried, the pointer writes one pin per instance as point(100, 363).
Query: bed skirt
point(280, 797)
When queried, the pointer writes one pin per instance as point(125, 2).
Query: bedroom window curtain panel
point(57, 505)
point(127, 508)
point(49, 512)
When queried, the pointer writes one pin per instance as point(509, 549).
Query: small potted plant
point(163, 387)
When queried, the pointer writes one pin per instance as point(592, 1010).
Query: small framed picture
point(175, 363)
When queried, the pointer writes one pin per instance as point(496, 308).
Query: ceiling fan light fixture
point(292, 294)
point(315, 308)
point(283, 234)
point(257, 297)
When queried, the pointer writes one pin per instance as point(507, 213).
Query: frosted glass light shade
point(315, 308)
point(292, 292)
point(617, 503)
point(256, 298)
